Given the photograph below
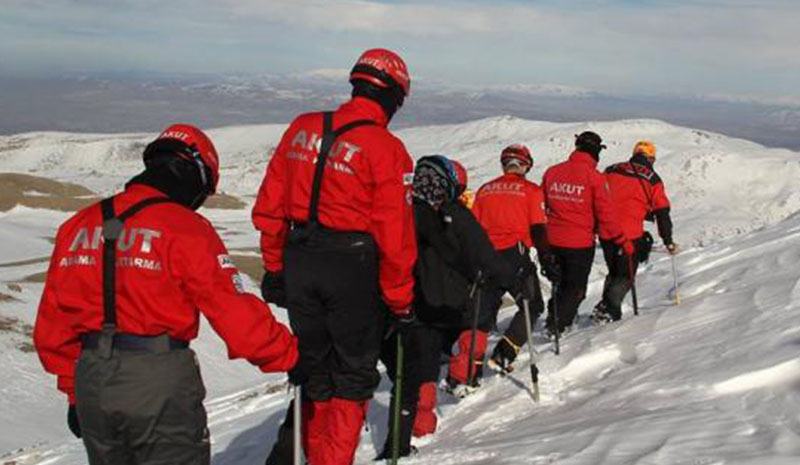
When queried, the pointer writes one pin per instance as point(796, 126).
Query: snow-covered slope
point(719, 186)
point(713, 381)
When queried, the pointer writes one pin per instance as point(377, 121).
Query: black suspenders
point(329, 136)
point(112, 228)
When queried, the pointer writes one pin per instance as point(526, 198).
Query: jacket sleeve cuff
point(67, 386)
point(402, 312)
point(285, 363)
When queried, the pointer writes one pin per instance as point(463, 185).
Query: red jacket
point(578, 204)
point(636, 190)
point(366, 187)
point(171, 265)
point(507, 207)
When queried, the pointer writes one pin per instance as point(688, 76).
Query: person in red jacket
point(127, 282)
point(338, 245)
point(578, 206)
point(511, 211)
point(637, 193)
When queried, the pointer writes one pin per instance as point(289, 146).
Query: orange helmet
point(646, 148)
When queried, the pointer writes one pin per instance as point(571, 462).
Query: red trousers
point(332, 429)
point(459, 363)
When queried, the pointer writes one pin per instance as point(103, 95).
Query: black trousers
point(492, 295)
point(618, 281)
point(576, 264)
point(336, 311)
point(138, 408)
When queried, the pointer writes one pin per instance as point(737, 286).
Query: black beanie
point(589, 142)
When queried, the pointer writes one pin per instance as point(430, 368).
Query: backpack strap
point(112, 229)
point(644, 189)
point(329, 136)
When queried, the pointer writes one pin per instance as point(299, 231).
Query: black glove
point(72, 421)
point(298, 375)
point(273, 288)
point(551, 269)
point(529, 289)
point(527, 286)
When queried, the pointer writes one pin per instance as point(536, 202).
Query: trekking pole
point(476, 294)
point(554, 309)
point(632, 281)
point(675, 281)
point(532, 350)
point(297, 424)
point(398, 391)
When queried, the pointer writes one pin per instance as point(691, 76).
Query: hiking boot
point(502, 359)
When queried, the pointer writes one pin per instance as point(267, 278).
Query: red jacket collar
point(364, 108)
point(512, 176)
point(583, 157)
point(140, 191)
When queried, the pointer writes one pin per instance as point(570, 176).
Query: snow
point(713, 381)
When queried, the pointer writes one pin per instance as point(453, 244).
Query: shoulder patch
point(225, 261)
point(238, 283)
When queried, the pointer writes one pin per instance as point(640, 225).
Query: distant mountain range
point(135, 102)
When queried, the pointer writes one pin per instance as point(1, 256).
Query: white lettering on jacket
point(126, 240)
point(504, 188)
point(122, 262)
point(566, 188)
point(312, 142)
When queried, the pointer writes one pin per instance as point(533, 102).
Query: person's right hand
point(298, 375)
point(673, 249)
point(528, 284)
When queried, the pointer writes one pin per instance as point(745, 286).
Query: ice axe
point(532, 350)
point(554, 309)
point(675, 280)
point(398, 390)
point(474, 293)
point(632, 281)
point(297, 424)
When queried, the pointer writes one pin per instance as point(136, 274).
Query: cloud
point(427, 19)
point(340, 74)
point(694, 46)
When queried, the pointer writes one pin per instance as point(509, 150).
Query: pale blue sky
point(727, 47)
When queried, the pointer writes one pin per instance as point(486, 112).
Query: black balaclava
point(434, 181)
point(176, 177)
point(389, 98)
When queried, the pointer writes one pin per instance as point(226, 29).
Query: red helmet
point(382, 67)
point(461, 174)
point(190, 143)
point(517, 152)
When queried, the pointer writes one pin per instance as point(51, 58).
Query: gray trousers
point(138, 408)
